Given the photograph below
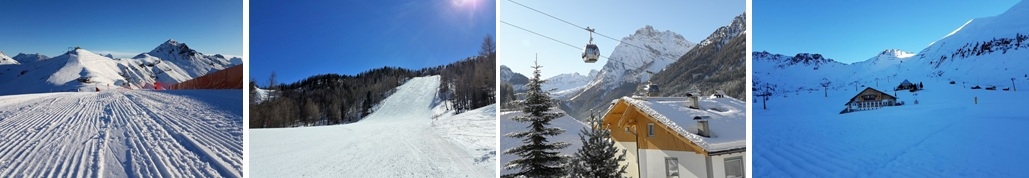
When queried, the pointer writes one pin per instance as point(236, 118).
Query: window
point(734, 167)
point(671, 167)
point(650, 129)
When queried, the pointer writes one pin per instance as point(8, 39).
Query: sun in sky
point(465, 4)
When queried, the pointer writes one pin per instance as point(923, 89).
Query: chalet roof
point(866, 89)
point(728, 127)
point(906, 82)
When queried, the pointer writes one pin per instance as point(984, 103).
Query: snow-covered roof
point(906, 82)
point(728, 119)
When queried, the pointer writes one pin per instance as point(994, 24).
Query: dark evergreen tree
point(367, 110)
point(537, 157)
point(598, 156)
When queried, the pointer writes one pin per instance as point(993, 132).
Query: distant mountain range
point(82, 70)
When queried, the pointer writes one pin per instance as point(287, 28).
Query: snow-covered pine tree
point(537, 157)
point(598, 156)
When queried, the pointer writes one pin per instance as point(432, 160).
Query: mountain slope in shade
point(718, 63)
point(30, 58)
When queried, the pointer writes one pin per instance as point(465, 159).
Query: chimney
point(702, 127)
point(693, 103)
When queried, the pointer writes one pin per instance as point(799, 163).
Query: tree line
point(328, 99)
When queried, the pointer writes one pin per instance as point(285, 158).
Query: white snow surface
point(410, 135)
point(571, 126)
point(564, 86)
point(727, 122)
point(137, 133)
point(945, 135)
point(5, 60)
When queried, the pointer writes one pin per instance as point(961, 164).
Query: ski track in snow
point(192, 133)
point(400, 139)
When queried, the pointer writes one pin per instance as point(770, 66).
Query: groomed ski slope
point(410, 135)
point(945, 135)
point(183, 133)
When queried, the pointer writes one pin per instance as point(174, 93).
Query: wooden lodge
point(870, 98)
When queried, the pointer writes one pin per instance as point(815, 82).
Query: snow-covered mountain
point(718, 63)
point(517, 79)
point(723, 34)
point(4, 59)
point(30, 58)
point(194, 63)
point(564, 85)
point(983, 51)
point(646, 50)
point(83, 70)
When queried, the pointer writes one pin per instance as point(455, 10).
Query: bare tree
point(271, 80)
point(489, 46)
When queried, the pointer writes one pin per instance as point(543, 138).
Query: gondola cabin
point(591, 53)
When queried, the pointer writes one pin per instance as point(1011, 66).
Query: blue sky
point(298, 39)
point(852, 31)
point(123, 28)
point(693, 19)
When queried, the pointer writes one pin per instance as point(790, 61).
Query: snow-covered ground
point(945, 135)
point(571, 125)
point(190, 133)
point(410, 135)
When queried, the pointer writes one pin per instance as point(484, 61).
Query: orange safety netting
point(229, 78)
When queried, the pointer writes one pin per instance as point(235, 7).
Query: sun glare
point(465, 4)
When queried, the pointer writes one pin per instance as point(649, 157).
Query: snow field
point(122, 134)
point(945, 135)
point(401, 139)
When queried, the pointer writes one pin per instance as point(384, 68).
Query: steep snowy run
point(190, 133)
point(83, 70)
point(411, 134)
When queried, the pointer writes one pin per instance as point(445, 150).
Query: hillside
point(329, 99)
point(413, 135)
point(718, 63)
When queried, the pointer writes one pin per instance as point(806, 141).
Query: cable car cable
point(577, 26)
point(545, 36)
